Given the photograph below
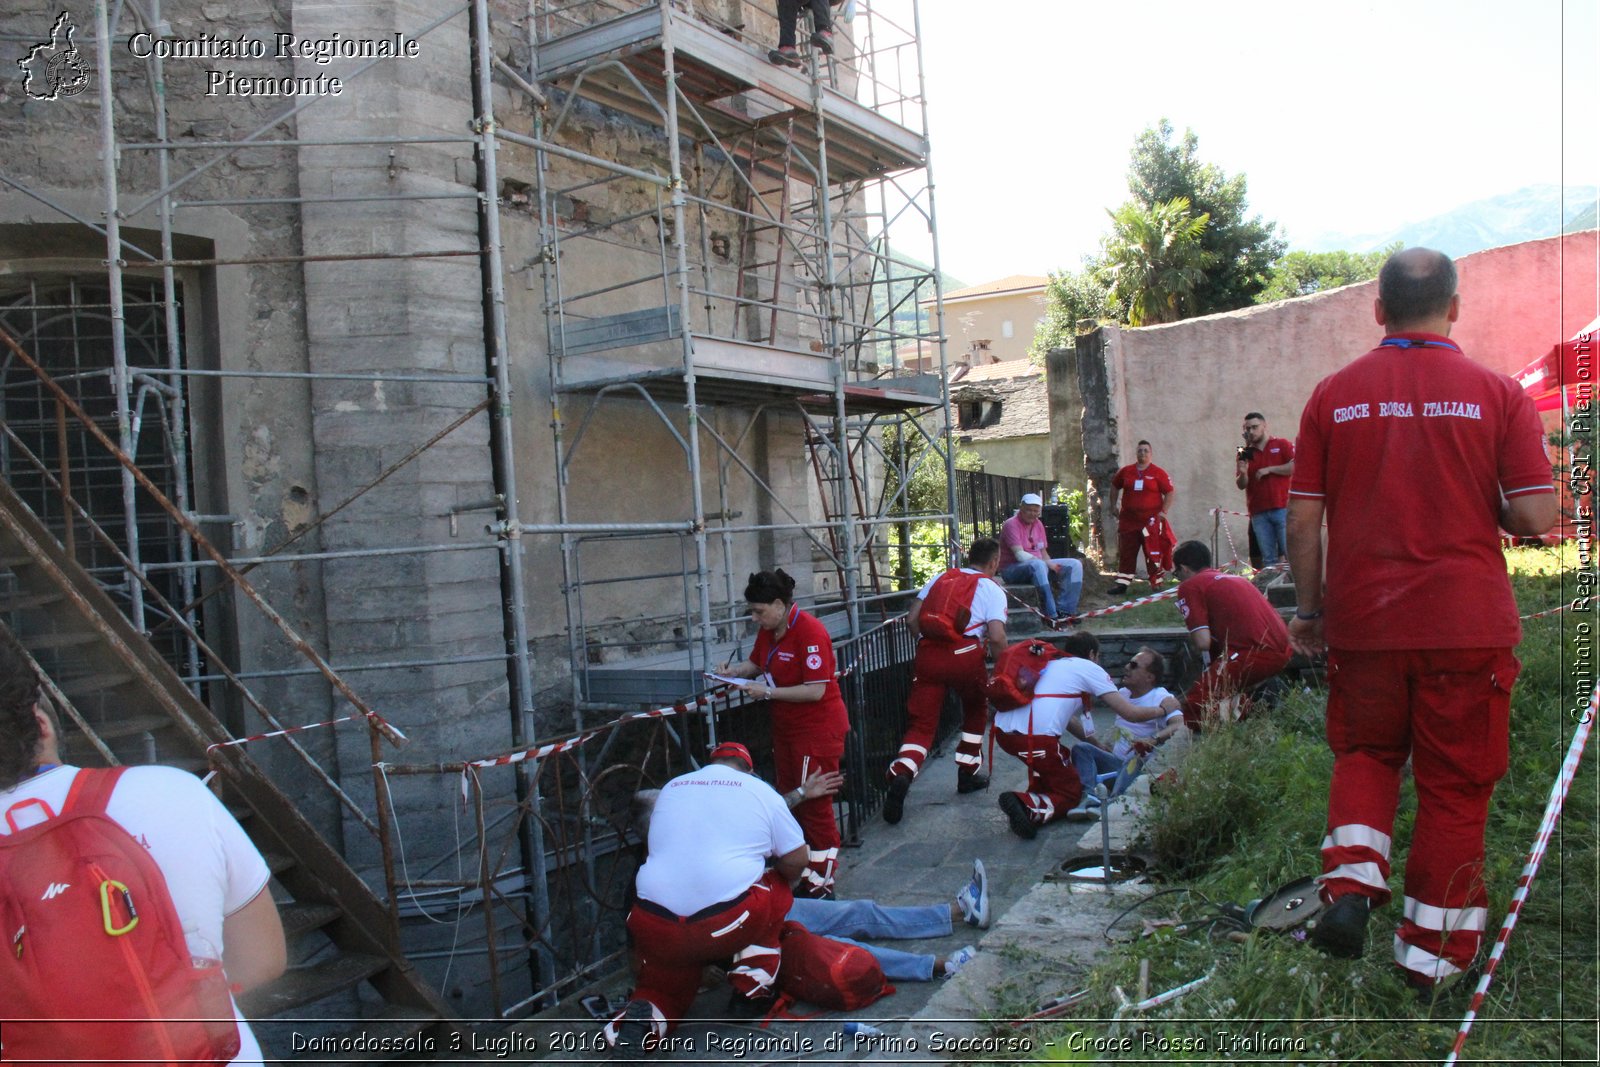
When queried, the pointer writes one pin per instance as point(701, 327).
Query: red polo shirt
point(1141, 494)
point(1266, 494)
point(1411, 449)
point(1240, 618)
point(802, 656)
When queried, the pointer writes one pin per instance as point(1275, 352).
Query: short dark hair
point(982, 551)
point(1147, 444)
point(1415, 284)
point(1254, 415)
point(1158, 663)
point(1192, 554)
point(766, 586)
point(1081, 643)
point(19, 730)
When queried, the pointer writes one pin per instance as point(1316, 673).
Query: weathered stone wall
point(1186, 386)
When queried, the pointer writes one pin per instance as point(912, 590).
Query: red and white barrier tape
point(1541, 841)
point(1113, 609)
point(541, 751)
point(1550, 611)
point(278, 733)
point(1225, 511)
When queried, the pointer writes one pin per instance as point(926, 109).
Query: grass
point(1248, 816)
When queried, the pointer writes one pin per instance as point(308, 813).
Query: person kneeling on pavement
point(705, 895)
point(1062, 697)
point(1160, 717)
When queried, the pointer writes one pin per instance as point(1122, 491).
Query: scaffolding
point(764, 201)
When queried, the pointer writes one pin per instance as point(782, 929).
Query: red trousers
point(1229, 675)
point(938, 667)
point(796, 757)
point(672, 949)
point(1053, 783)
point(1449, 711)
point(1129, 544)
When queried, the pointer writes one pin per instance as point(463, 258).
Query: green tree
point(1304, 273)
point(1241, 248)
point(1157, 261)
point(1071, 297)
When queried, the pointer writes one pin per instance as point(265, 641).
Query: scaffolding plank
point(735, 87)
point(621, 330)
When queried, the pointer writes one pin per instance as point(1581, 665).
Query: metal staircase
point(120, 702)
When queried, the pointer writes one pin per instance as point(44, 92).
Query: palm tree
point(1155, 260)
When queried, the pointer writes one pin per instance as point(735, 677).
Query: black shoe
point(1341, 929)
point(743, 1007)
point(786, 57)
point(633, 1027)
point(971, 783)
point(1446, 993)
point(1022, 823)
point(822, 40)
point(894, 804)
point(1117, 590)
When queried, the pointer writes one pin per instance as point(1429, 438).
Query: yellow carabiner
point(105, 907)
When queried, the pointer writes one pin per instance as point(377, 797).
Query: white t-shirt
point(988, 602)
point(212, 868)
point(710, 836)
point(1052, 712)
point(1129, 732)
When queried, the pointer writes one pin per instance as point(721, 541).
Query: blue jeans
point(1038, 572)
point(1091, 761)
point(845, 920)
point(1272, 534)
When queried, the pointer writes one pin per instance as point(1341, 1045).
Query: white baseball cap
point(1032, 498)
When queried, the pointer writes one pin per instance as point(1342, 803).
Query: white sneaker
point(974, 898)
point(1084, 812)
point(958, 959)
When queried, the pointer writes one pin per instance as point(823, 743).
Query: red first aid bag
point(947, 609)
point(828, 973)
point(93, 963)
point(1017, 671)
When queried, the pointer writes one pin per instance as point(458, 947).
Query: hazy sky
point(1345, 117)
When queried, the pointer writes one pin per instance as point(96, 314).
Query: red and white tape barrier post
point(1541, 841)
point(278, 733)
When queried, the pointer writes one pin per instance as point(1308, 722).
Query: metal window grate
point(65, 322)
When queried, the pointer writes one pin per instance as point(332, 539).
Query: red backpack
point(828, 973)
point(1017, 671)
point(947, 609)
point(93, 949)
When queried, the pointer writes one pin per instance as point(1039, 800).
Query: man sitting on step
point(1161, 716)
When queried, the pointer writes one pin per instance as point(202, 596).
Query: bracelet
point(1307, 616)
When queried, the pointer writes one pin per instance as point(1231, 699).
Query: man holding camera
point(1262, 468)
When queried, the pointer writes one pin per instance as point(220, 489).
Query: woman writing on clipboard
point(791, 665)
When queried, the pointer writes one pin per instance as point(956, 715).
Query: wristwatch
point(1307, 616)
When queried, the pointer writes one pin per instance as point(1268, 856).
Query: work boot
point(1341, 929)
point(894, 804)
point(632, 1028)
point(971, 783)
point(1022, 823)
point(786, 57)
point(823, 41)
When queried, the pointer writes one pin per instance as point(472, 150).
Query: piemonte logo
point(55, 69)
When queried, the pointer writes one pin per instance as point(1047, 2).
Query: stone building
point(495, 344)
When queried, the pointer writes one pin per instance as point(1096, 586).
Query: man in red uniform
point(1262, 469)
point(1409, 442)
point(971, 598)
point(1235, 626)
point(1146, 491)
point(705, 894)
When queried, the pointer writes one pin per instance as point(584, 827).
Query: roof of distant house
point(1016, 283)
point(1019, 386)
point(1011, 368)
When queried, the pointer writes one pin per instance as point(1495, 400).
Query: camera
point(1245, 453)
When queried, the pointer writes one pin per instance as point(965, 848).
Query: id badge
point(1138, 485)
point(766, 680)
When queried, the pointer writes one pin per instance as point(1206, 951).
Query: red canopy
point(1570, 364)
